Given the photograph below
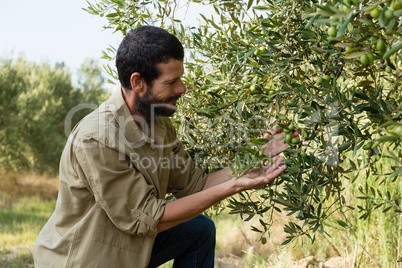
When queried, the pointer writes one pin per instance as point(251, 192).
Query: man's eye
point(171, 83)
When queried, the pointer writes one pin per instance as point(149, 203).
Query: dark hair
point(142, 49)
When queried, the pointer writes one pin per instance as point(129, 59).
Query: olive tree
point(331, 69)
point(35, 101)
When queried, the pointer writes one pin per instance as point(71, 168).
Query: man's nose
point(181, 88)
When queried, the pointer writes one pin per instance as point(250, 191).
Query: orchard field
point(331, 69)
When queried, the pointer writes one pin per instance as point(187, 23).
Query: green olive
point(370, 56)
point(389, 14)
point(303, 154)
point(380, 46)
point(327, 77)
point(261, 153)
point(397, 5)
point(288, 138)
point(294, 140)
point(368, 145)
point(375, 13)
point(388, 69)
point(364, 60)
point(291, 127)
point(318, 81)
point(246, 85)
point(332, 31)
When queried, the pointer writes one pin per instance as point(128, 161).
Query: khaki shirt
point(113, 181)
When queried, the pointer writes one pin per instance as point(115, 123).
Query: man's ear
point(137, 83)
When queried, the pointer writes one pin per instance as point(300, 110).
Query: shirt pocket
point(107, 233)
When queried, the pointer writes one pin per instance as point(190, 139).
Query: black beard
point(148, 105)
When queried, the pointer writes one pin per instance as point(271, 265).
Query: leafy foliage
point(330, 68)
point(35, 100)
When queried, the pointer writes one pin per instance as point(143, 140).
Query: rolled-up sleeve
point(130, 202)
point(185, 177)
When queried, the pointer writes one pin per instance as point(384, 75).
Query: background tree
point(332, 69)
point(35, 100)
point(11, 86)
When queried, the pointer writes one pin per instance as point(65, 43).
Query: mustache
point(173, 98)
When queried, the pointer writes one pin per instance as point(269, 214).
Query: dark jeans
point(190, 244)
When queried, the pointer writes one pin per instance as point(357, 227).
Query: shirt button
point(137, 214)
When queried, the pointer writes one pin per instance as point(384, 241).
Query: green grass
point(20, 260)
point(20, 224)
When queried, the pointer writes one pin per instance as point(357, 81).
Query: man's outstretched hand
point(258, 177)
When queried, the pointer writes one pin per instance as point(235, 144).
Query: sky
point(56, 31)
point(53, 31)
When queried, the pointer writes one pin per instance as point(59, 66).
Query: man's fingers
point(268, 134)
point(271, 132)
point(269, 162)
point(272, 166)
point(269, 173)
point(274, 159)
point(272, 175)
point(280, 135)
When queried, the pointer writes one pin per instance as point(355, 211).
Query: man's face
point(161, 98)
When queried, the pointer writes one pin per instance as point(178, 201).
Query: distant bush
point(34, 101)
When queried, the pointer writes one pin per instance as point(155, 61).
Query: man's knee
point(210, 225)
point(205, 226)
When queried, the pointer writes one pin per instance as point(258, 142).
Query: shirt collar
point(126, 121)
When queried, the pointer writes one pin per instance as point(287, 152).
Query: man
point(122, 159)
